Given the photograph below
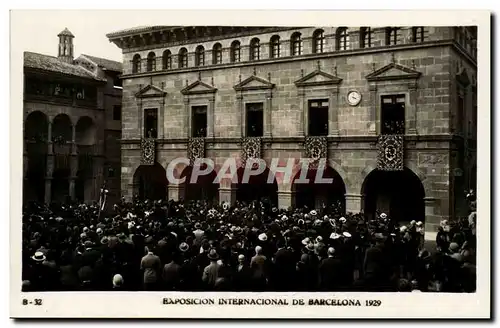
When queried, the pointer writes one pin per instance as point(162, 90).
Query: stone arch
point(257, 187)
point(400, 194)
point(201, 186)
point(315, 194)
point(36, 141)
point(150, 182)
point(62, 128)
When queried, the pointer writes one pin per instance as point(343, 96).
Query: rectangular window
point(199, 121)
point(318, 117)
point(255, 119)
point(151, 123)
point(117, 112)
point(393, 114)
point(366, 41)
point(392, 36)
point(117, 82)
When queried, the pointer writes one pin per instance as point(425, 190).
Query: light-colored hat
point(454, 247)
point(419, 223)
point(331, 250)
point(313, 213)
point(403, 228)
point(335, 235)
point(413, 222)
point(342, 219)
point(444, 223)
point(325, 217)
point(39, 257)
point(306, 241)
point(131, 224)
point(83, 235)
point(117, 280)
point(346, 234)
point(319, 239)
point(284, 218)
point(310, 246)
point(85, 229)
point(58, 219)
point(183, 247)
point(383, 215)
point(241, 257)
point(262, 237)
point(99, 231)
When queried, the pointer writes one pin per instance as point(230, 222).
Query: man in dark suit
point(376, 266)
point(151, 266)
point(284, 267)
point(331, 272)
point(242, 274)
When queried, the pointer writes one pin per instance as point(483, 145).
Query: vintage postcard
point(250, 164)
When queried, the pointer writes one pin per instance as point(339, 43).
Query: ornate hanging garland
point(390, 152)
point(148, 150)
point(250, 149)
point(316, 148)
point(196, 149)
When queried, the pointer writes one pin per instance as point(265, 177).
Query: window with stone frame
point(365, 37)
point(136, 64)
point(255, 49)
point(167, 59)
point(217, 54)
point(199, 121)
point(274, 46)
point(296, 44)
point(151, 62)
point(235, 52)
point(342, 38)
point(151, 123)
point(392, 116)
point(392, 35)
point(418, 34)
point(318, 117)
point(117, 112)
point(199, 56)
point(318, 41)
point(183, 58)
point(255, 119)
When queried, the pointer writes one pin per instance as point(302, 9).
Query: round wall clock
point(353, 98)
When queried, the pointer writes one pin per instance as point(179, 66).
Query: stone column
point(140, 115)
point(227, 195)
point(333, 112)
point(302, 128)
point(161, 119)
point(353, 203)
point(412, 109)
point(241, 117)
point(211, 118)
point(268, 115)
point(187, 119)
point(431, 220)
point(176, 192)
point(286, 199)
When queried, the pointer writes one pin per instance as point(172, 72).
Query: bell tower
point(65, 52)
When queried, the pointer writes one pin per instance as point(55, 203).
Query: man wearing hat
point(151, 267)
point(211, 271)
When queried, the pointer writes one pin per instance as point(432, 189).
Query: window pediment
point(151, 91)
point(318, 78)
point(253, 83)
point(393, 71)
point(198, 87)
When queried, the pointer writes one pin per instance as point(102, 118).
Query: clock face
point(353, 98)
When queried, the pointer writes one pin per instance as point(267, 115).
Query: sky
point(37, 30)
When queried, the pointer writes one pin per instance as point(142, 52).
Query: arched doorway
point(399, 194)
point(150, 182)
point(61, 144)
point(257, 187)
point(204, 186)
point(36, 143)
point(314, 193)
point(85, 135)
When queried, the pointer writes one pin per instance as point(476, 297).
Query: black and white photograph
point(203, 162)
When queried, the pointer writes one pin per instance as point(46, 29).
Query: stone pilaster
point(353, 203)
point(286, 199)
point(227, 195)
point(176, 192)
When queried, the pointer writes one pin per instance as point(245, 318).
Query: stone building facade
point(68, 113)
point(391, 110)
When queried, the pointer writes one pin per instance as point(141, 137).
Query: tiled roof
point(138, 29)
point(66, 32)
point(53, 64)
point(108, 64)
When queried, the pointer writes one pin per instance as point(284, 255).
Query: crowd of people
point(249, 246)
